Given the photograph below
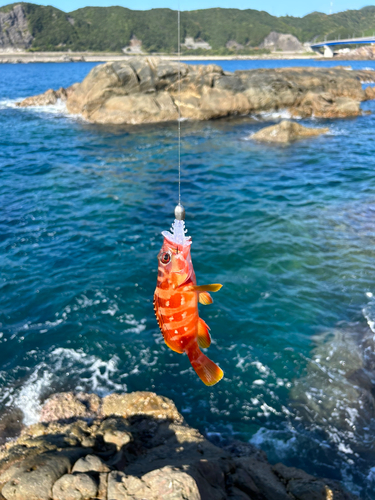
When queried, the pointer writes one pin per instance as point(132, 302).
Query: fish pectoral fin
point(205, 298)
point(215, 287)
point(204, 337)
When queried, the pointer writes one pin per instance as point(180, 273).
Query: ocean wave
point(58, 109)
point(78, 370)
point(280, 443)
point(283, 114)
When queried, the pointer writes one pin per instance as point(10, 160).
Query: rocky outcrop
point(286, 132)
point(324, 105)
point(146, 90)
point(14, 29)
point(48, 98)
point(137, 446)
point(363, 52)
point(284, 42)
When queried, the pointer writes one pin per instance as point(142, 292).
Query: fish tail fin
point(207, 370)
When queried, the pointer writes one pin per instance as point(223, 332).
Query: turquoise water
point(288, 231)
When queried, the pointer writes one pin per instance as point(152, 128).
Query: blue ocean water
point(289, 232)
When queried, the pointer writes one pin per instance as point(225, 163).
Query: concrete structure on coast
point(328, 44)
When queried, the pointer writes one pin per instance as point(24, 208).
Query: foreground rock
point(146, 90)
point(137, 446)
point(286, 132)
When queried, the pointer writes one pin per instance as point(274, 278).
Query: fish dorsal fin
point(204, 337)
point(205, 298)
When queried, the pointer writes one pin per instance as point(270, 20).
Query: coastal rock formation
point(14, 29)
point(146, 90)
point(46, 99)
point(286, 132)
point(137, 446)
point(365, 52)
point(284, 42)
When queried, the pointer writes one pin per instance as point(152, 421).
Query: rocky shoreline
point(138, 446)
point(146, 90)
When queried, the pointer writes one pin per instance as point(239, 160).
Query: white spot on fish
point(167, 303)
point(183, 315)
point(185, 328)
point(176, 331)
point(182, 300)
point(171, 318)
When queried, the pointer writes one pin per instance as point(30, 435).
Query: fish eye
point(165, 258)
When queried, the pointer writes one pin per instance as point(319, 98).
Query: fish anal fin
point(205, 298)
point(204, 337)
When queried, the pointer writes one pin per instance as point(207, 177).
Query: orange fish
point(176, 303)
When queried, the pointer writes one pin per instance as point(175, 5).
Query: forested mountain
point(38, 27)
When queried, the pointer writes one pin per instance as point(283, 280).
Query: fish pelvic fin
point(204, 337)
point(207, 370)
point(205, 298)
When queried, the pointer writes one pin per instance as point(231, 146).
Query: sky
point(274, 7)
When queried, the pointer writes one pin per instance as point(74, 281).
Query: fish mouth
point(177, 234)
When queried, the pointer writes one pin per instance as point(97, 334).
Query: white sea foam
point(281, 442)
point(58, 109)
point(371, 475)
point(369, 313)
point(28, 398)
point(82, 372)
point(283, 114)
point(137, 326)
point(9, 103)
point(94, 372)
point(344, 449)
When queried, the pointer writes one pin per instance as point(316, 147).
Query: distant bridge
point(327, 44)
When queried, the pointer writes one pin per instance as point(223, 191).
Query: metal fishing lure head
point(179, 212)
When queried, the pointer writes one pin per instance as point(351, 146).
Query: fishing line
point(179, 211)
point(179, 104)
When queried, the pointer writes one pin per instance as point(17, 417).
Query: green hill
point(111, 28)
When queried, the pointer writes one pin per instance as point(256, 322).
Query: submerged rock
point(337, 391)
point(286, 132)
point(146, 90)
point(160, 458)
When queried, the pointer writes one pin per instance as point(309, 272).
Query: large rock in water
point(146, 90)
point(137, 446)
point(286, 132)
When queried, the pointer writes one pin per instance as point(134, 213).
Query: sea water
point(288, 231)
